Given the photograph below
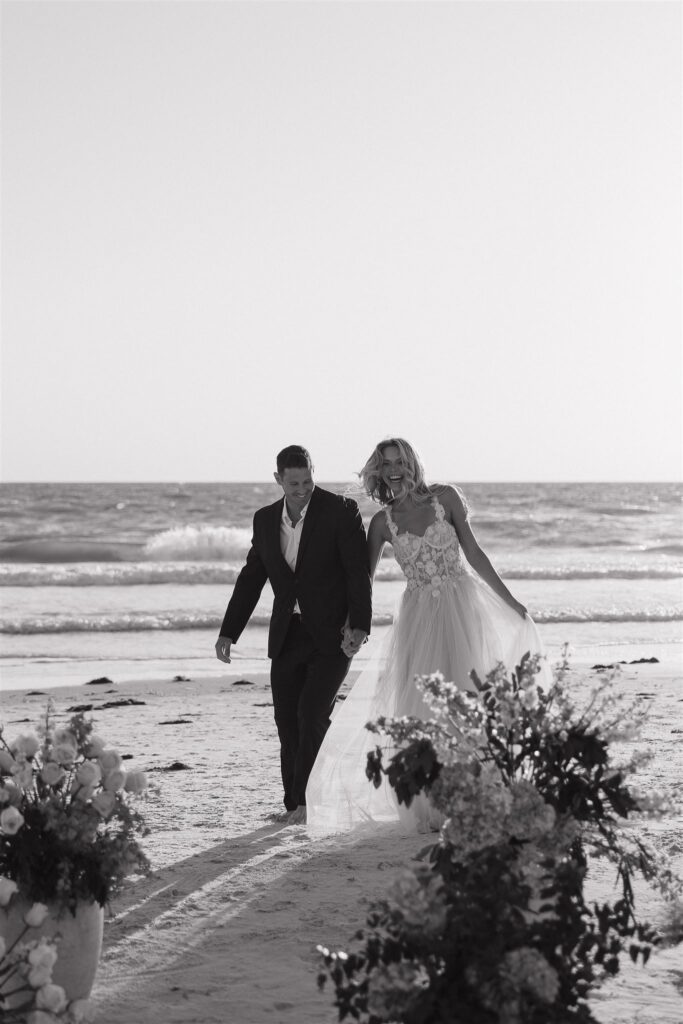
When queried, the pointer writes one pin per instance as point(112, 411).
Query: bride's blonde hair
point(413, 482)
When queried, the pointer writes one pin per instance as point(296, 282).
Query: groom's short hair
point(294, 456)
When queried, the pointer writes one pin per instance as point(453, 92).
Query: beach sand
point(226, 927)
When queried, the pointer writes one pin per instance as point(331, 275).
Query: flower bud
point(28, 746)
point(114, 780)
point(52, 998)
point(64, 753)
point(35, 915)
point(104, 803)
point(88, 774)
point(136, 782)
point(80, 1010)
point(109, 760)
point(11, 821)
point(44, 953)
point(52, 773)
point(39, 976)
point(95, 746)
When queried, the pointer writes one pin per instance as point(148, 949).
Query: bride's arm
point(378, 535)
point(478, 559)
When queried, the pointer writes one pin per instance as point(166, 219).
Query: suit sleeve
point(248, 587)
point(353, 551)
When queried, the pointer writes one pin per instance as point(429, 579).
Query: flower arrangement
point(27, 993)
point(68, 831)
point(492, 927)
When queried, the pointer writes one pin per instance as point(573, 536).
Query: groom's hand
point(353, 641)
point(223, 645)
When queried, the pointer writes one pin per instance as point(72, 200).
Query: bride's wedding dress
point(449, 620)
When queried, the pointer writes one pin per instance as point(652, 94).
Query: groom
point(311, 546)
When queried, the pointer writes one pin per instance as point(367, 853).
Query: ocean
point(131, 580)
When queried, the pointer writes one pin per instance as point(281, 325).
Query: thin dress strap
point(393, 528)
point(439, 510)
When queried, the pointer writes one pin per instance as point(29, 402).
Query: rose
point(104, 803)
point(11, 821)
point(64, 753)
point(7, 890)
point(35, 915)
point(40, 1017)
point(94, 746)
point(79, 1010)
point(52, 773)
point(109, 760)
point(27, 746)
point(136, 782)
point(52, 998)
point(114, 780)
point(41, 959)
point(23, 774)
point(11, 792)
point(88, 774)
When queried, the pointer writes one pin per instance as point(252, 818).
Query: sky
point(232, 226)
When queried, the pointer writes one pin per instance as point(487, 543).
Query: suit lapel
point(309, 525)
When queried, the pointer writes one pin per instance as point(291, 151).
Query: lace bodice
point(431, 560)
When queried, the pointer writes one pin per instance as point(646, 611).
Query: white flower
point(114, 780)
point(95, 746)
point(25, 746)
point(109, 760)
point(430, 568)
point(419, 895)
point(104, 803)
point(88, 774)
point(11, 821)
point(22, 773)
point(528, 969)
point(43, 952)
point(40, 1017)
point(7, 890)
point(52, 773)
point(42, 959)
point(35, 915)
point(64, 753)
point(530, 816)
point(136, 782)
point(39, 976)
point(52, 998)
point(79, 1010)
point(12, 793)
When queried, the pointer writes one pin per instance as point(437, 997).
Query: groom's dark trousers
point(331, 583)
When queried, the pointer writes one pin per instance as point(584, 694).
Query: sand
point(226, 927)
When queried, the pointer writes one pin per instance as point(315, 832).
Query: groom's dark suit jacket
point(331, 577)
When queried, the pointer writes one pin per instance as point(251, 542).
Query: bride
point(455, 615)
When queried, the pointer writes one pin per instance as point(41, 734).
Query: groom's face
point(297, 484)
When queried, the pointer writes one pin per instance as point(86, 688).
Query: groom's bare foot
point(297, 817)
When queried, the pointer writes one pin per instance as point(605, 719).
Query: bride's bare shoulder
point(453, 499)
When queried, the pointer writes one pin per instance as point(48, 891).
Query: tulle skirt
point(459, 627)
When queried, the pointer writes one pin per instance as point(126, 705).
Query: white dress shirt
point(290, 538)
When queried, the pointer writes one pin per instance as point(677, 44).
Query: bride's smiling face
point(393, 468)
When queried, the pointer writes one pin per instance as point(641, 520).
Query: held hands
point(352, 640)
point(223, 649)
